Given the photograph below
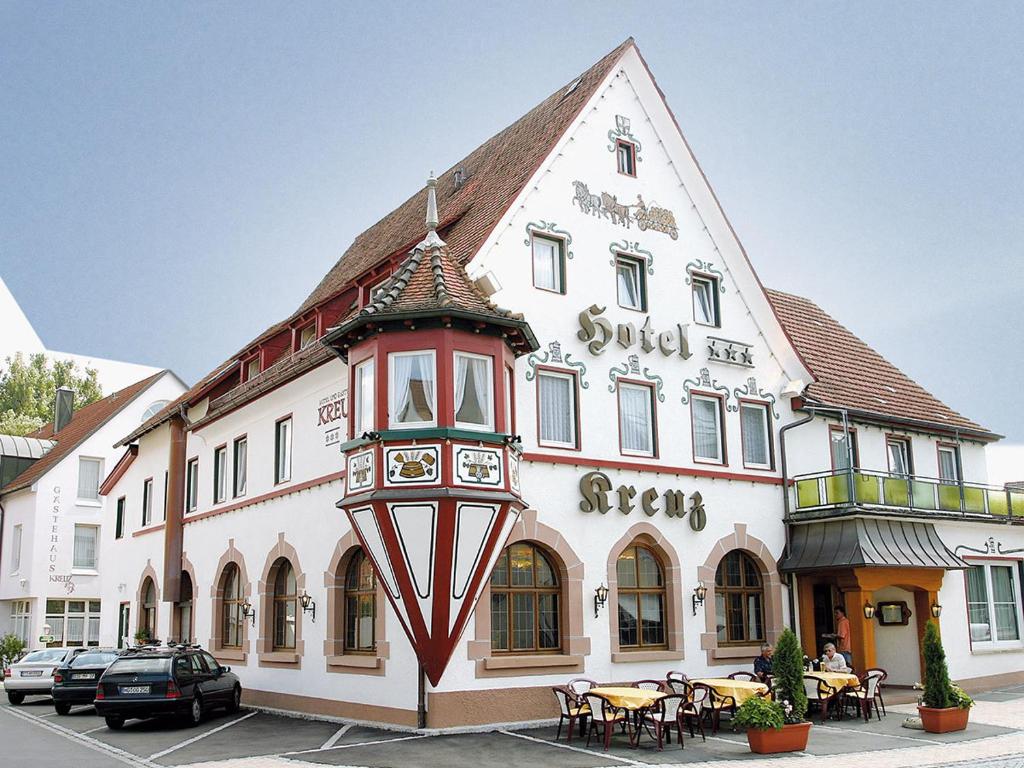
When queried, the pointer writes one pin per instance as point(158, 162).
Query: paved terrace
point(252, 739)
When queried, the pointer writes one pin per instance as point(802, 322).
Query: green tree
point(11, 647)
point(938, 691)
point(27, 390)
point(788, 672)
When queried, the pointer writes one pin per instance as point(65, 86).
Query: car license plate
point(128, 690)
point(32, 673)
point(83, 676)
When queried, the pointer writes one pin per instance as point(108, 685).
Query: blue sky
point(175, 177)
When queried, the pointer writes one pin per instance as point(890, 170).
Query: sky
point(174, 178)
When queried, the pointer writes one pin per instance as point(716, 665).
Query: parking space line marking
point(887, 735)
point(337, 735)
point(350, 746)
point(94, 744)
point(197, 737)
point(93, 730)
point(616, 758)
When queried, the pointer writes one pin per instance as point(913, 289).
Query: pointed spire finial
point(431, 203)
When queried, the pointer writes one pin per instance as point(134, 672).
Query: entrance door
point(123, 623)
point(824, 618)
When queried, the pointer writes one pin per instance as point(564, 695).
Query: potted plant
point(779, 725)
point(142, 637)
point(943, 707)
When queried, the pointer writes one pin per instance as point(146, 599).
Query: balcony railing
point(843, 488)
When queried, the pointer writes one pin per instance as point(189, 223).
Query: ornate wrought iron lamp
point(248, 612)
point(869, 611)
point(699, 593)
point(308, 604)
point(600, 598)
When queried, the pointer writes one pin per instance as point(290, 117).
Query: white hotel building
point(654, 421)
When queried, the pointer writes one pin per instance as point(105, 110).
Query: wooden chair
point(649, 685)
point(605, 716)
point(866, 695)
point(570, 708)
point(821, 694)
point(745, 676)
point(665, 715)
point(692, 711)
point(714, 704)
point(881, 684)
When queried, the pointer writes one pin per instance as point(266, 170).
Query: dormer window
point(625, 154)
point(413, 395)
point(474, 391)
point(307, 335)
point(630, 284)
point(252, 369)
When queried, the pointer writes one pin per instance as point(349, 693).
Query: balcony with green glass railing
point(861, 488)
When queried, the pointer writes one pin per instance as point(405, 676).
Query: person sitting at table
point(833, 661)
point(763, 663)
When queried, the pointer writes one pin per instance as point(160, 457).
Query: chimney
point(63, 407)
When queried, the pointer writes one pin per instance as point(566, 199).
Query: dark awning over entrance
point(864, 542)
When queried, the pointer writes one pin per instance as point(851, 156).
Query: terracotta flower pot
point(792, 738)
point(943, 720)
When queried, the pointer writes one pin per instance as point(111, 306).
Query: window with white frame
point(364, 401)
point(413, 395)
point(705, 300)
point(630, 285)
point(993, 604)
point(16, 548)
point(252, 369)
point(86, 539)
point(625, 155)
point(192, 485)
point(307, 335)
point(949, 463)
point(636, 419)
point(220, 474)
point(707, 429)
point(89, 478)
point(240, 476)
point(147, 502)
point(548, 264)
point(556, 409)
point(755, 426)
point(283, 451)
point(73, 623)
point(508, 399)
point(898, 450)
point(474, 391)
point(21, 619)
point(843, 443)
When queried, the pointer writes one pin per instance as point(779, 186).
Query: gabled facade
point(640, 390)
point(54, 517)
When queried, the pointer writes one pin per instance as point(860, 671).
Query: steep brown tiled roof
point(850, 374)
point(84, 422)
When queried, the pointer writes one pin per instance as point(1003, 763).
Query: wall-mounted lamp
point(308, 606)
point(600, 598)
point(936, 610)
point(699, 593)
point(869, 611)
point(248, 612)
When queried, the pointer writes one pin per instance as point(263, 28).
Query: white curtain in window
point(706, 440)
point(755, 435)
point(635, 419)
point(364, 398)
point(477, 409)
point(401, 371)
point(426, 377)
point(703, 302)
point(1005, 602)
point(629, 291)
point(545, 264)
point(462, 364)
point(85, 546)
point(840, 451)
point(557, 415)
point(88, 478)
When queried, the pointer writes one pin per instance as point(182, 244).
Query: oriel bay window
point(525, 602)
point(630, 284)
point(706, 420)
point(285, 606)
point(755, 429)
point(739, 600)
point(360, 605)
point(412, 391)
point(548, 263)
point(474, 391)
point(641, 589)
point(636, 419)
point(557, 416)
point(363, 420)
point(993, 605)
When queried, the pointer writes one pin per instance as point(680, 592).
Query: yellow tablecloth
point(628, 698)
point(740, 690)
point(837, 679)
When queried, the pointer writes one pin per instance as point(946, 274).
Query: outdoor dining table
point(740, 690)
point(625, 697)
point(837, 680)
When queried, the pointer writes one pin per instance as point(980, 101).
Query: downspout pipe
point(786, 508)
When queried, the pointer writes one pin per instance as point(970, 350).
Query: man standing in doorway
point(843, 635)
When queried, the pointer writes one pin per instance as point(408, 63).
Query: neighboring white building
point(665, 402)
point(20, 336)
point(52, 514)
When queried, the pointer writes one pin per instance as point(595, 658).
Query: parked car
point(180, 681)
point(32, 674)
point(75, 681)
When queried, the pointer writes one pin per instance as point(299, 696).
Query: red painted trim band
point(649, 468)
point(149, 529)
point(265, 497)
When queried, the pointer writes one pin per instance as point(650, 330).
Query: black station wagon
point(180, 681)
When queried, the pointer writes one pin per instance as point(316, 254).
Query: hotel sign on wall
point(597, 495)
point(597, 333)
point(332, 410)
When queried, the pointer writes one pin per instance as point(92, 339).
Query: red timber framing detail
point(656, 468)
point(119, 469)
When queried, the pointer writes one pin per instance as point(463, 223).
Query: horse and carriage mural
point(608, 206)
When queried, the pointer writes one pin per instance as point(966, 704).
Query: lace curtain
point(755, 438)
point(706, 444)
point(557, 419)
point(635, 418)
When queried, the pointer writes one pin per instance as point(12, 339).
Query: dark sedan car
point(181, 681)
point(75, 681)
